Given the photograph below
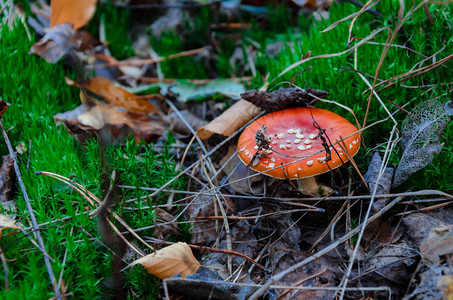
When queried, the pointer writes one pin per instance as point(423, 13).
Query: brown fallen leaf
point(165, 227)
point(115, 95)
point(439, 242)
point(230, 121)
point(169, 261)
point(108, 123)
point(3, 107)
point(61, 40)
point(76, 12)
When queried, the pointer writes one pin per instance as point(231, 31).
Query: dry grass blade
point(169, 261)
point(302, 61)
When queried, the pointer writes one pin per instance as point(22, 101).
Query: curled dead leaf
point(76, 12)
point(230, 121)
point(115, 95)
point(110, 124)
point(169, 261)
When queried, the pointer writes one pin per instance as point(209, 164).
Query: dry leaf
point(169, 261)
point(76, 12)
point(439, 242)
point(115, 95)
point(7, 221)
point(110, 124)
point(230, 121)
point(61, 40)
point(447, 284)
point(283, 98)
point(3, 107)
point(420, 138)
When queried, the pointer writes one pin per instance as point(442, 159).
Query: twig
point(224, 217)
point(5, 269)
point(30, 210)
point(141, 62)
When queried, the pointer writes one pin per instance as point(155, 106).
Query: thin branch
point(30, 211)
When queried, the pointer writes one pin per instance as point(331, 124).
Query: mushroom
point(305, 156)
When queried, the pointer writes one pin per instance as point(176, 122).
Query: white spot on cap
point(280, 135)
point(281, 146)
point(295, 176)
point(297, 141)
point(271, 165)
point(288, 146)
point(274, 142)
point(267, 152)
point(350, 146)
point(308, 147)
point(301, 147)
point(272, 159)
point(256, 147)
point(307, 142)
point(243, 148)
point(300, 136)
point(354, 142)
point(310, 163)
point(291, 131)
point(312, 136)
point(288, 141)
point(299, 169)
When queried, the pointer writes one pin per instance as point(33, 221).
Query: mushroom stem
point(310, 186)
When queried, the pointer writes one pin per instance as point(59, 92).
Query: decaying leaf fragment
point(110, 124)
point(6, 181)
point(61, 40)
point(115, 95)
point(283, 98)
point(169, 261)
point(8, 221)
point(3, 107)
point(439, 242)
point(76, 12)
point(447, 284)
point(420, 138)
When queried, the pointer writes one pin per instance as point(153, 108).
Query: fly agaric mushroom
point(294, 144)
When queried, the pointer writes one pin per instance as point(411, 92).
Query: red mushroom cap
point(296, 143)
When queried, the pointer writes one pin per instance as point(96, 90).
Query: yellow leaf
point(169, 261)
point(76, 12)
point(7, 221)
point(446, 283)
